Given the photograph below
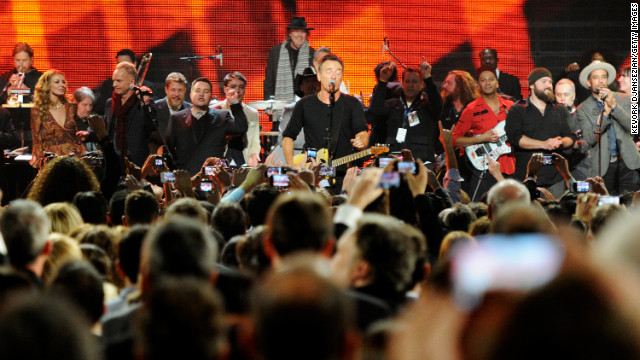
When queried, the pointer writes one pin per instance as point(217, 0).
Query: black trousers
point(619, 178)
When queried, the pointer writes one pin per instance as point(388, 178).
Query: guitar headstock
point(379, 149)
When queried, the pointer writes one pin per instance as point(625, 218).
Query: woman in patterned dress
point(52, 119)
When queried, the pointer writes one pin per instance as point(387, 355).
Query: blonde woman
point(53, 119)
point(64, 217)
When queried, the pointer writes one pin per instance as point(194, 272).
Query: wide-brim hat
point(299, 23)
point(597, 65)
point(307, 73)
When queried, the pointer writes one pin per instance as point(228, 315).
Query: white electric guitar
point(476, 152)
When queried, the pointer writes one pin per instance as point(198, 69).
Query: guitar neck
point(349, 158)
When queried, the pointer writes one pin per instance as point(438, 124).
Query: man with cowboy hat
point(286, 60)
point(616, 158)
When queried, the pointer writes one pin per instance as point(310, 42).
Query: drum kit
point(269, 138)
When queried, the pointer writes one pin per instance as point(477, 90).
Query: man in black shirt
point(348, 129)
point(538, 125)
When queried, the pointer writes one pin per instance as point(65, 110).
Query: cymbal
point(268, 104)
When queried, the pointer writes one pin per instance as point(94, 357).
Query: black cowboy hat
point(307, 73)
point(299, 23)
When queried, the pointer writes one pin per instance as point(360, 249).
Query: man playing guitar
point(476, 126)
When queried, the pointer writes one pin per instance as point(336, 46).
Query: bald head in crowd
point(565, 92)
point(506, 192)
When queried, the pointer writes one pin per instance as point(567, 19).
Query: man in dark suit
point(195, 134)
point(176, 88)
point(616, 158)
point(128, 122)
point(509, 84)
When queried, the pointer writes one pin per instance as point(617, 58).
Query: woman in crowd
point(53, 119)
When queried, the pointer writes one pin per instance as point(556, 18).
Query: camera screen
point(280, 180)
point(389, 180)
point(167, 177)
point(206, 186)
point(407, 166)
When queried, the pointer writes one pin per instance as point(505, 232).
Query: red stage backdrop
point(81, 37)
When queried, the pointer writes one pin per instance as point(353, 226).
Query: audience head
point(92, 206)
point(289, 301)
point(141, 207)
point(25, 228)
point(504, 192)
point(116, 207)
point(80, 284)
point(40, 327)
point(61, 179)
point(63, 216)
point(520, 218)
point(182, 319)
point(299, 222)
point(177, 247)
point(229, 219)
point(378, 253)
point(63, 250)
point(188, 207)
point(453, 239)
point(259, 201)
point(129, 249)
point(250, 252)
point(459, 218)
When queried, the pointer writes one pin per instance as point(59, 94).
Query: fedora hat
point(597, 65)
point(298, 23)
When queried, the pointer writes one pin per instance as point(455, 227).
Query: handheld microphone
point(139, 89)
point(603, 96)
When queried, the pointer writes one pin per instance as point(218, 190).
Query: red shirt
point(478, 118)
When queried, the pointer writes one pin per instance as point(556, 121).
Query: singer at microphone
point(606, 113)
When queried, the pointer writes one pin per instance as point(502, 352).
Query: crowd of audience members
point(251, 271)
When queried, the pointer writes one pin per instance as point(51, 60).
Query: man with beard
point(614, 156)
point(176, 88)
point(476, 126)
point(458, 90)
point(538, 125)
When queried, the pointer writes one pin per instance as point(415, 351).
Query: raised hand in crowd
point(366, 190)
point(494, 169)
point(425, 69)
point(239, 175)
point(254, 177)
point(297, 184)
point(350, 179)
point(418, 182)
point(183, 183)
point(133, 183)
point(387, 71)
point(586, 205)
point(534, 165)
point(598, 186)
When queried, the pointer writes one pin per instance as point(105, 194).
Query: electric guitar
point(476, 152)
point(323, 154)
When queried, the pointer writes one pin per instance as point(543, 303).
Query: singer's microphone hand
point(146, 94)
point(232, 97)
point(386, 72)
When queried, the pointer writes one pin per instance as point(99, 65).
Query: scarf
point(285, 75)
point(119, 112)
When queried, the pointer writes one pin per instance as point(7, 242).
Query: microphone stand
point(192, 59)
point(332, 103)
point(598, 133)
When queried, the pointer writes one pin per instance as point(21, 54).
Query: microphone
point(332, 86)
point(384, 45)
point(139, 89)
point(603, 97)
